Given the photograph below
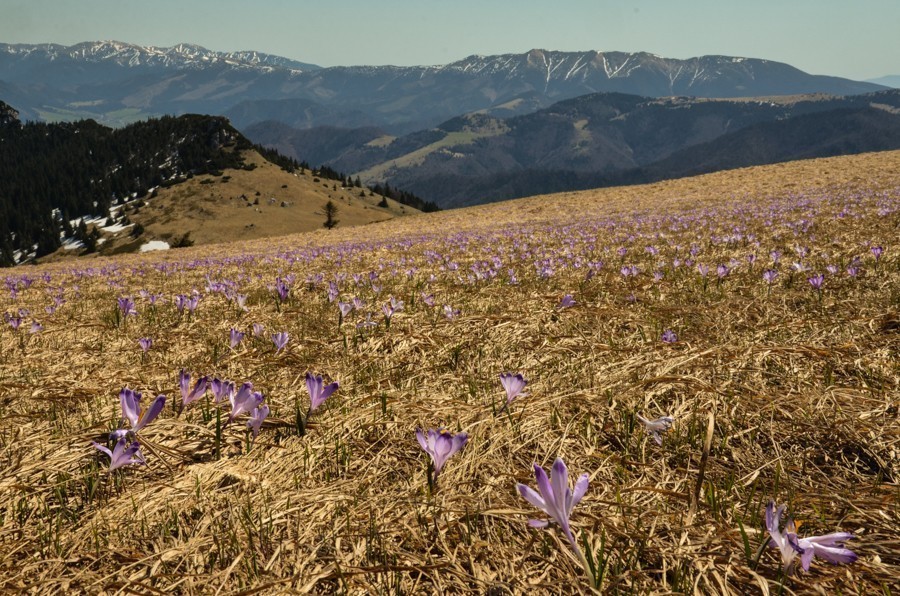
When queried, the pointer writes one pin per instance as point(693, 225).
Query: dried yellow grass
point(802, 395)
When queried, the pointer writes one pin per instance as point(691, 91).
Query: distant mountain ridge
point(180, 56)
point(597, 140)
point(115, 82)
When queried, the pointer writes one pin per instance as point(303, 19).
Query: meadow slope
point(783, 387)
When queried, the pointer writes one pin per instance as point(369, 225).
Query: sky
point(858, 40)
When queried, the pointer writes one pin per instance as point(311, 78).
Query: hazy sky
point(858, 39)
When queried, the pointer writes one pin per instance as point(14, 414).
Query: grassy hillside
point(689, 298)
point(245, 204)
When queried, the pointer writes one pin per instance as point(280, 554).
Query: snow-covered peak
point(180, 56)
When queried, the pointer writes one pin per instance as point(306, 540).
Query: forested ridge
point(53, 173)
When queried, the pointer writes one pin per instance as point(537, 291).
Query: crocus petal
point(328, 390)
point(806, 558)
point(131, 409)
point(531, 496)
point(421, 438)
point(102, 448)
point(443, 449)
point(152, 412)
point(771, 520)
point(459, 441)
point(543, 483)
point(834, 555)
point(581, 486)
point(256, 418)
point(834, 539)
point(538, 523)
point(559, 479)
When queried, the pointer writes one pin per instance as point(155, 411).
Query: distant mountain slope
point(597, 139)
point(116, 82)
point(824, 134)
point(888, 81)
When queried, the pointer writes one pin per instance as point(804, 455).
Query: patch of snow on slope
point(155, 245)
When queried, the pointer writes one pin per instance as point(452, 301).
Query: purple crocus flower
point(245, 400)
point(367, 323)
point(702, 269)
point(280, 340)
point(428, 299)
point(14, 321)
point(126, 307)
point(221, 389)
point(131, 410)
point(235, 337)
point(258, 329)
point(769, 276)
point(655, 428)
point(146, 343)
point(333, 291)
point(281, 289)
point(669, 337)
point(722, 271)
point(566, 301)
point(440, 445)
point(829, 547)
point(36, 327)
point(122, 454)
point(318, 391)
point(513, 384)
point(877, 251)
point(345, 309)
point(396, 304)
point(388, 311)
point(554, 497)
point(450, 312)
point(816, 281)
point(184, 383)
point(257, 415)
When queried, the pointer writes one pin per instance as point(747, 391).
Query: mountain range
point(596, 140)
point(116, 83)
point(481, 129)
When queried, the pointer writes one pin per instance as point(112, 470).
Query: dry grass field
point(779, 392)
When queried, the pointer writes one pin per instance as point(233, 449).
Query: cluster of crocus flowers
point(127, 450)
point(243, 401)
point(829, 547)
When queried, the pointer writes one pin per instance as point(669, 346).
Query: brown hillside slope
point(779, 391)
